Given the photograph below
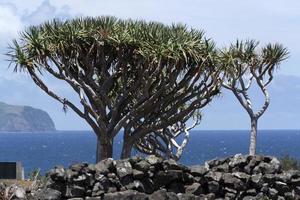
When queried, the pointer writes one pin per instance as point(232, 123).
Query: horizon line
point(284, 129)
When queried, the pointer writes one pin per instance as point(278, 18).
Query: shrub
point(289, 162)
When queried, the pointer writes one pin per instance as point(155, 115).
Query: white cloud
point(13, 19)
point(42, 13)
point(45, 11)
point(10, 24)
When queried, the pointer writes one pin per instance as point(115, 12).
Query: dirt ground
point(22, 183)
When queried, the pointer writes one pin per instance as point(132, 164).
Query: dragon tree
point(247, 65)
point(132, 76)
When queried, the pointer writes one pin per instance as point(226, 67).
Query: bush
point(288, 163)
point(38, 180)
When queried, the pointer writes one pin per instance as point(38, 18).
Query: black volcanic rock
point(24, 118)
point(130, 179)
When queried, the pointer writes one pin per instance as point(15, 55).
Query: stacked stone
point(236, 177)
point(250, 177)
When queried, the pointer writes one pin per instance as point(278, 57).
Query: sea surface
point(45, 150)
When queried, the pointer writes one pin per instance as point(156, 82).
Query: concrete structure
point(11, 170)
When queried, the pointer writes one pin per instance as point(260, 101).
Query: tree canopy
point(142, 77)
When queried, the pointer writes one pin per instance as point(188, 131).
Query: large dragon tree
point(245, 66)
point(134, 76)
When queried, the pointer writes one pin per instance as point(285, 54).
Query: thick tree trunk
point(127, 147)
point(253, 134)
point(104, 148)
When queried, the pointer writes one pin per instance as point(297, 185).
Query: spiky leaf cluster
point(75, 38)
point(243, 56)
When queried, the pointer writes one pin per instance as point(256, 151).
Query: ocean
point(45, 150)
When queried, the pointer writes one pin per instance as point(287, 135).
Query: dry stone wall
point(237, 177)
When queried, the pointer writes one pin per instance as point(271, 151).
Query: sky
point(223, 21)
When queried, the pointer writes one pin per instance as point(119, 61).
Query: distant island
point(15, 118)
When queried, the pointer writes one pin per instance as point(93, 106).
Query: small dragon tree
point(244, 65)
point(129, 75)
point(163, 142)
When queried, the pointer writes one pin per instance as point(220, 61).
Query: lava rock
point(221, 168)
point(252, 161)
point(136, 185)
point(213, 187)
point(281, 187)
point(289, 196)
point(249, 197)
point(70, 174)
point(125, 195)
point(148, 185)
point(198, 170)
point(173, 165)
point(295, 181)
point(187, 197)
point(176, 187)
point(93, 198)
point(195, 189)
point(273, 193)
point(166, 177)
point(242, 176)
point(230, 195)
point(213, 176)
point(47, 194)
point(57, 174)
point(251, 192)
point(98, 190)
point(105, 166)
point(297, 190)
point(74, 191)
point(256, 180)
point(142, 166)
point(235, 177)
point(269, 178)
point(78, 167)
point(159, 195)
point(276, 165)
point(230, 180)
point(154, 160)
point(124, 168)
point(137, 174)
point(238, 160)
point(133, 160)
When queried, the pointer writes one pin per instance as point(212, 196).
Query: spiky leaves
point(131, 75)
point(243, 62)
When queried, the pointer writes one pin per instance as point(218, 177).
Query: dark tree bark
point(104, 149)
point(126, 149)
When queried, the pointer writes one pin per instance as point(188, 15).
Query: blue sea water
point(45, 150)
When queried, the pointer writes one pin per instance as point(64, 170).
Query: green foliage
point(34, 175)
point(125, 50)
point(82, 36)
point(38, 180)
point(243, 57)
point(289, 162)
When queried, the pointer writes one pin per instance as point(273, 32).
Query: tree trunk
point(127, 147)
point(104, 148)
point(253, 134)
